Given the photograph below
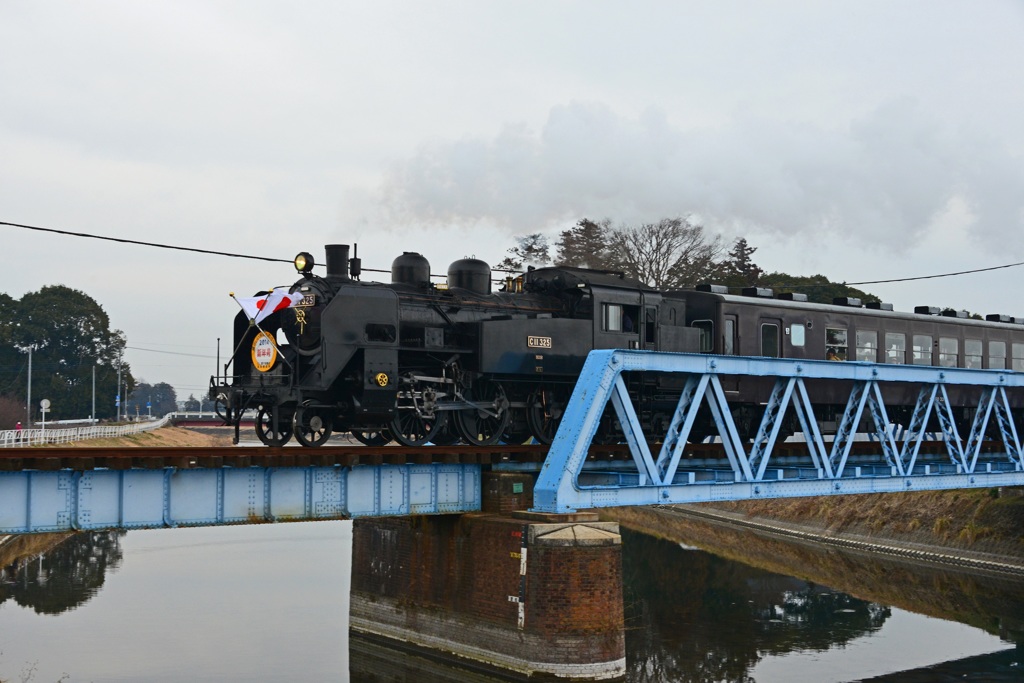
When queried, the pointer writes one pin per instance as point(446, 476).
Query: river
point(270, 603)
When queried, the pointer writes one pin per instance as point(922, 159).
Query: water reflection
point(692, 616)
point(63, 577)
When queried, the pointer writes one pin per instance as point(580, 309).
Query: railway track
point(90, 458)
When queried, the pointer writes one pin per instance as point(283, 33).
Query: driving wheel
point(484, 424)
point(270, 432)
point(544, 410)
point(412, 429)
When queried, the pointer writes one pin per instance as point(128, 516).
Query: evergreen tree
point(530, 250)
point(587, 245)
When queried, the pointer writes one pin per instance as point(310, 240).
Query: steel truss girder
point(659, 479)
point(65, 500)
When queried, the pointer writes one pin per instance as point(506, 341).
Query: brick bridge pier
point(503, 589)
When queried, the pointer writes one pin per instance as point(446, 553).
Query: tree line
point(70, 336)
point(673, 253)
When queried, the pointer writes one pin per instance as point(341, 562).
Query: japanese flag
point(259, 307)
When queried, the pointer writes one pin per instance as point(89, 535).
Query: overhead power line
point(170, 353)
point(929, 277)
point(376, 270)
point(158, 245)
point(143, 244)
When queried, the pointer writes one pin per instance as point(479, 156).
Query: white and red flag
point(259, 307)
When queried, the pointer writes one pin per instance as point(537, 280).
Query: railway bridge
point(505, 539)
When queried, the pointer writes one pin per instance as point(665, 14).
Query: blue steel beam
point(36, 501)
point(564, 485)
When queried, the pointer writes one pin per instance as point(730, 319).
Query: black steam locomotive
point(422, 363)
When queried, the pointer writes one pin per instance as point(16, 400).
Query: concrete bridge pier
point(537, 595)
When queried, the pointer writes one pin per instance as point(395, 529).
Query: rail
point(12, 438)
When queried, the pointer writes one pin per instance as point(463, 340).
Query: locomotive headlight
point(304, 262)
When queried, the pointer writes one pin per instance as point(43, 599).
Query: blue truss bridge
point(865, 451)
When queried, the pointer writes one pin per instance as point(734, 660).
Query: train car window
point(1018, 357)
point(836, 345)
point(707, 334)
point(770, 340)
point(949, 349)
point(972, 353)
point(922, 349)
point(376, 332)
point(612, 317)
point(797, 334)
point(895, 348)
point(997, 355)
point(867, 345)
point(729, 346)
point(650, 323)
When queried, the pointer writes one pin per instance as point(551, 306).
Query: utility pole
point(92, 416)
point(28, 406)
point(118, 399)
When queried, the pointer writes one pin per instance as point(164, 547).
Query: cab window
point(619, 318)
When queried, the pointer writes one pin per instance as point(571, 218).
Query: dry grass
point(984, 520)
point(165, 436)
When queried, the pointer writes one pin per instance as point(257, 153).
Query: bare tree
point(670, 254)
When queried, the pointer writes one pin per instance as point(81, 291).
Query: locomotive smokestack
point(337, 261)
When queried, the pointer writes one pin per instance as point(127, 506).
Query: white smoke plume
point(882, 180)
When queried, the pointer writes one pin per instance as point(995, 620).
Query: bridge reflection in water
point(691, 614)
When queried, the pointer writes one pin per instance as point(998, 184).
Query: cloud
point(883, 178)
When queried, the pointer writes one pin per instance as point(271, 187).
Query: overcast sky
point(863, 141)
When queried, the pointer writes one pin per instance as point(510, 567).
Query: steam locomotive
point(419, 363)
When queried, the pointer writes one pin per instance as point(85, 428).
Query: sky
point(863, 141)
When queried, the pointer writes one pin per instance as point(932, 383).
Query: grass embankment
point(977, 524)
point(165, 436)
point(978, 521)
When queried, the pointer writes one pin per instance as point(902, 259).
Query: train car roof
point(693, 295)
point(570, 278)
